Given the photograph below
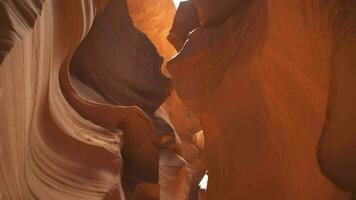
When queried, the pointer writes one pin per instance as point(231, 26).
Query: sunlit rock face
point(261, 99)
point(48, 150)
point(155, 18)
point(181, 170)
point(75, 135)
point(256, 74)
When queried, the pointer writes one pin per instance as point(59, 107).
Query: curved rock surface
point(17, 17)
point(256, 75)
point(185, 21)
point(51, 151)
point(123, 66)
point(261, 99)
point(337, 147)
point(155, 18)
point(64, 136)
point(212, 12)
point(120, 62)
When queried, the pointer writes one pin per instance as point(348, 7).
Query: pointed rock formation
point(155, 18)
point(185, 21)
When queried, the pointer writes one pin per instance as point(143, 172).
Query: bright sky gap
point(176, 2)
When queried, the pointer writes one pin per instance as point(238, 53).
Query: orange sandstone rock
point(258, 82)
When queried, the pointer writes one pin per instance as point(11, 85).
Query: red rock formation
point(212, 12)
point(16, 19)
point(337, 148)
point(50, 151)
point(256, 74)
point(69, 136)
point(176, 168)
point(155, 18)
point(185, 21)
point(85, 113)
point(124, 67)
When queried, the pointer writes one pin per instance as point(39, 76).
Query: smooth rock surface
point(185, 21)
point(337, 147)
point(258, 82)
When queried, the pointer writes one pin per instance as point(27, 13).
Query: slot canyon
point(177, 99)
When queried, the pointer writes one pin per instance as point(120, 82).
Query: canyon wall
point(116, 99)
point(48, 150)
point(16, 19)
point(63, 134)
point(256, 74)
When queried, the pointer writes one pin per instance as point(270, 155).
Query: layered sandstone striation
point(122, 65)
point(50, 151)
point(180, 168)
point(68, 130)
point(16, 19)
point(256, 74)
point(260, 95)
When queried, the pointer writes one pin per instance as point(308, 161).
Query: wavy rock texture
point(257, 75)
point(180, 169)
point(66, 136)
point(190, 170)
point(123, 66)
point(16, 19)
point(51, 151)
point(125, 75)
point(86, 112)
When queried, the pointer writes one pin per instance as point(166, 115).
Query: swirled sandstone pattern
point(256, 74)
point(48, 147)
point(16, 19)
point(86, 112)
point(63, 138)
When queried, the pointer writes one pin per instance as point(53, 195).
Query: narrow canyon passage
point(177, 99)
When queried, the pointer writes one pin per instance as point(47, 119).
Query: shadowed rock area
point(16, 19)
point(138, 100)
